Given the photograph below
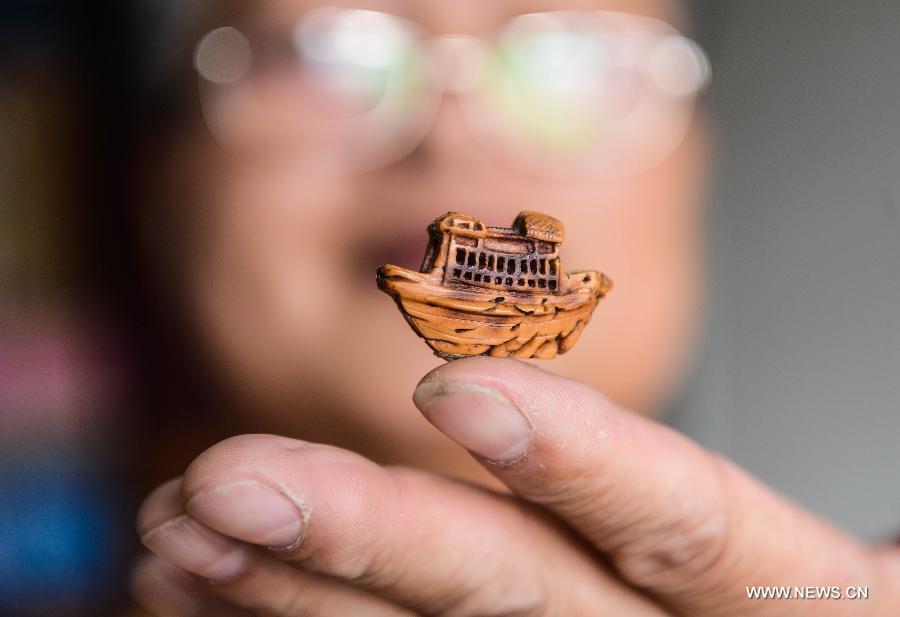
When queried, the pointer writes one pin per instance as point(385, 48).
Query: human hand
point(610, 514)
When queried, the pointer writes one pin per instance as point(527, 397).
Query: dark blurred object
point(64, 285)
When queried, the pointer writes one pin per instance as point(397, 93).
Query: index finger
point(674, 519)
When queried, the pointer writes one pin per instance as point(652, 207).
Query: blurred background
point(800, 382)
point(798, 379)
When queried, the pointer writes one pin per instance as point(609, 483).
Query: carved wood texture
point(496, 291)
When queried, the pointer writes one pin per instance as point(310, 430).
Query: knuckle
point(686, 551)
point(690, 546)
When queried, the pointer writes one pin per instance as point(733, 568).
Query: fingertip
point(162, 504)
point(545, 398)
point(269, 459)
point(235, 459)
point(260, 489)
point(477, 365)
point(479, 418)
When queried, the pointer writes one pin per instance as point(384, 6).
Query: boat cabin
point(524, 257)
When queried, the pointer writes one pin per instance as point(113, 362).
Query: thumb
point(675, 520)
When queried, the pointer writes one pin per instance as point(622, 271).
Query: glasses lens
point(354, 89)
point(350, 87)
point(587, 91)
point(560, 87)
point(365, 58)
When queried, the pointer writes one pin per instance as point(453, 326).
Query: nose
point(457, 66)
point(448, 145)
point(458, 63)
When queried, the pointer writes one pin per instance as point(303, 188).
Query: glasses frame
point(448, 60)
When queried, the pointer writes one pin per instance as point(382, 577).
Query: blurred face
point(276, 248)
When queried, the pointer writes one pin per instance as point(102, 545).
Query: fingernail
point(194, 547)
point(250, 511)
point(480, 419)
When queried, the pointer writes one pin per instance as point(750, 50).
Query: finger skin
point(165, 590)
point(261, 583)
point(675, 520)
point(435, 546)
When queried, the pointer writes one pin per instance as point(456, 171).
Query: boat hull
point(471, 321)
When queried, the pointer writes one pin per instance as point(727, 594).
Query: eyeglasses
point(353, 90)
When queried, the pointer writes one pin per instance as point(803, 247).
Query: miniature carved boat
point(495, 290)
